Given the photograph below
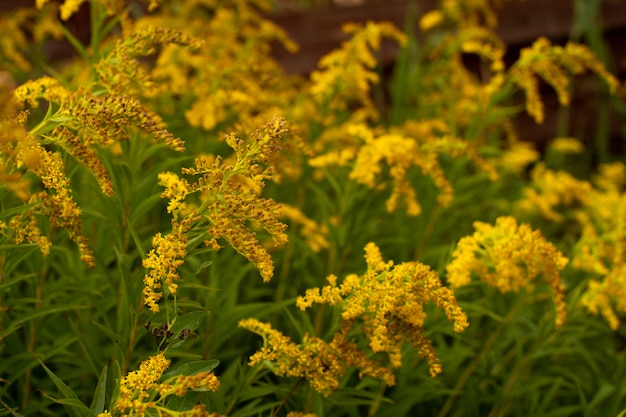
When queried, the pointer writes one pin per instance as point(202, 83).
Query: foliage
point(183, 224)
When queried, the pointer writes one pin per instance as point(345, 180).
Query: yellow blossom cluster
point(227, 80)
point(228, 199)
point(16, 146)
point(166, 256)
point(567, 145)
point(344, 77)
point(517, 157)
point(551, 191)
point(21, 28)
point(509, 256)
point(141, 393)
point(81, 124)
point(377, 153)
point(122, 73)
point(462, 13)
point(97, 119)
point(319, 362)
point(601, 248)
point(386, 305)
point(314, 234)
point(555, 65)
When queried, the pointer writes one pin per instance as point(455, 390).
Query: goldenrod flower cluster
point(168, 254)
point(228, 198)
point(601, 248)
point(555, 65)
point(552, 191)
point(319, 362)
point(314, 234)
point(229, 78)
point(22, 28)
point(345, 75)
point(120, 71)
point(509, 256)
point(385, 306)
point(567, 145)
point(378, 155)
point(141, 393)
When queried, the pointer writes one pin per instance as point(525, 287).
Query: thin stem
point(478, 358)
point(428, 231)
point(32, 337)
point(287, 396)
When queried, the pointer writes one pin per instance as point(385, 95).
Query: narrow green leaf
point(203, 265)
point(15, 280)
point(189, 321)
point(10, 410)
point(137, 240)
point(75, 43)
point(110, 333)
point(73, 406)
point(192, 368)
point(99, 396)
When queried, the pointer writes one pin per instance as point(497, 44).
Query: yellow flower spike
point(509, 257)
point(556, 65)
point(551, 191)
point(431, 20)
point(345, 75)
point(314, 234)
point(567, 145)
point(386, 305)
point(517, 157)
point(141, 393)
point(168, 254)
point(611, 176)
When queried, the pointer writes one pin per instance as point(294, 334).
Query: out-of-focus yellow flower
point(431, 20)
point(509, 256)
point(552, 191)
point(567, 145)
point(314, 234)
point(517, 157)
point(611, 176)
point(556, 65)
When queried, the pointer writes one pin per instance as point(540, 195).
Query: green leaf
point(97, 404)
point(10, 410)
point(192, 368)
point(15, 280)
point(189, 321)
point(72, 404)
point(203, 265)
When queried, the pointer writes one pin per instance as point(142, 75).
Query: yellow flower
point(141, 393)
point(431, 20)
point(386, 305)
point(320, 363)
point(517, 157)
point(556, 65)
point(314, 234)
point(509, 257)
point(168, 254)
point(567, 145)
point(552, 191)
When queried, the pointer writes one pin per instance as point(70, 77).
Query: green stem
point(478, 358)
point(287, 396)
point(32, 336)
point(428, 231)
